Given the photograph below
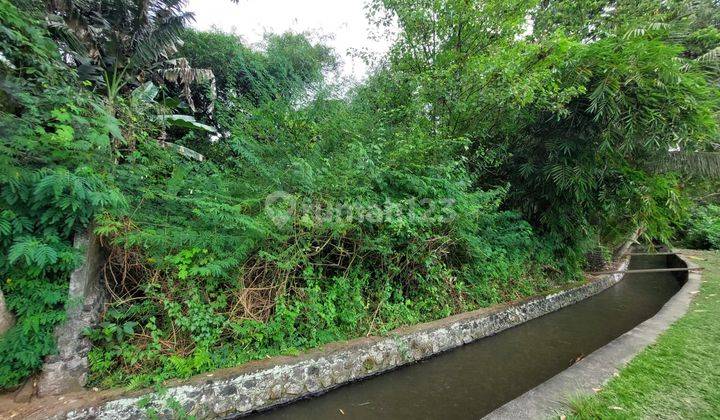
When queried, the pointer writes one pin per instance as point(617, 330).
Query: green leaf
point(185, 121)
point(145, 93)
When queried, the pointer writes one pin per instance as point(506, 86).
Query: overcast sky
point(343, 20)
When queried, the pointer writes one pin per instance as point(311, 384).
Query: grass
point(679, 375)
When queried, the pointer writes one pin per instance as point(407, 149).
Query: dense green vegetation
point(55, 144)
point(702, 230)
point(677, 376)
point(249, 207)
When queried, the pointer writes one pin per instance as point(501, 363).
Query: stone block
point(7, 319)
point(67, 371)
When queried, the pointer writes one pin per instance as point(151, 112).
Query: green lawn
point(679, 376)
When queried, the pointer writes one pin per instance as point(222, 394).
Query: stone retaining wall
point(6, 317)
point(264, 384)
point(67, 371)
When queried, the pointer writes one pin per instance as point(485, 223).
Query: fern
point(710, 56)
point(34, 252)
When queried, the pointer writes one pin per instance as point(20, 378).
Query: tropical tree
point(285, 68)
point(54, 164)
point(113, 43)
point(570, 120)
point(694, 26)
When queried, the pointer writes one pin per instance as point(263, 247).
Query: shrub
point(703, 227)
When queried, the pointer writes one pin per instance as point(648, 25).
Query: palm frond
point(710, 56)
point(182, 73)
point(640, 31)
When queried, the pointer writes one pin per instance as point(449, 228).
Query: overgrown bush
point(204, 276)
point(703, 228)
point(53, 143)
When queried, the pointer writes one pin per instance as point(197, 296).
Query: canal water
point(471, 381)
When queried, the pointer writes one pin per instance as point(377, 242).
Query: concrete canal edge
point(267, 383)
point(550, 398)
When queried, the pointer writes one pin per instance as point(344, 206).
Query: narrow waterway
point(471, 381)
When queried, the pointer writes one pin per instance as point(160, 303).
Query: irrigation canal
point(473, 380)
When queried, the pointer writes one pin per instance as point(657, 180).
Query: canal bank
point(279, 380)
point(276, 381)
point(676, 377)
point(472, 381)
point(594, 371)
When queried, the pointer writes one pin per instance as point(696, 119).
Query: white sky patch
point(342, 24)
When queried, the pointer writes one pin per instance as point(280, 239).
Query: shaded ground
point(677, 377)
